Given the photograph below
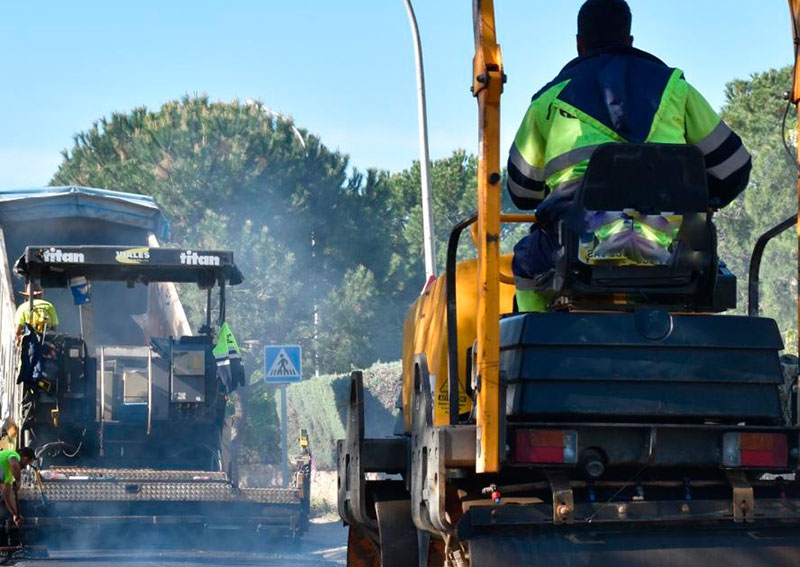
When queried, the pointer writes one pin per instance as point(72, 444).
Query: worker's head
point(603, 23)
point(27, 456)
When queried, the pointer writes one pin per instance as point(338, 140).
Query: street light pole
point(429, 244)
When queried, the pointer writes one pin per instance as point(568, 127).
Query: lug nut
point(593, 461)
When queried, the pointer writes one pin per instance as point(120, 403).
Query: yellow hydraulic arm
point(487, 86)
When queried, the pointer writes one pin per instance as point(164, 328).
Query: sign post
point(283, 365)
point(284, 439)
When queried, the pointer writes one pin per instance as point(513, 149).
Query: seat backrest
point(639, 226)
point(649, 178)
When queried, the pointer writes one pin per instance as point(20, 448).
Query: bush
point(319, 405)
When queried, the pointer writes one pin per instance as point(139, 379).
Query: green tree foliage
point(453, 192)
point(755, 109)
point(235, 175)
point(454, 198)
point(346, 327)
point(261, 431)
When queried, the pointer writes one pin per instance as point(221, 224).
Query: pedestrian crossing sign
point(283, 364)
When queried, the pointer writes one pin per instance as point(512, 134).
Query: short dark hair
point(604, 22)
point(27, 453)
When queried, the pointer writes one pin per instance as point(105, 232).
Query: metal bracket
point(743, 500)
point(353, 503)
point(428, 452)
point(563, 500)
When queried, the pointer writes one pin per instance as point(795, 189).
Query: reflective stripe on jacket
point(618, 94)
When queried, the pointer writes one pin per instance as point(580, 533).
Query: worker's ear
point(580, 45)
point(630, 41)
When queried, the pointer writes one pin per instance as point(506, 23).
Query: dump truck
point(126, 405)
point(634, 422)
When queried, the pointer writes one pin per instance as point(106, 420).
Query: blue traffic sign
point(282, 364)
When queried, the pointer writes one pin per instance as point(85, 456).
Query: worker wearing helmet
point(41, 314)
point(11, 465)
point(611, 93)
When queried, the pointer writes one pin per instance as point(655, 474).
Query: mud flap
point(747, 546)
point(361, 550)
point(399, 545)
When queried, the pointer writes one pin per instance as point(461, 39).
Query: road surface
point(324, 545)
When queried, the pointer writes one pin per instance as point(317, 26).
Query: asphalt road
point(324, 545)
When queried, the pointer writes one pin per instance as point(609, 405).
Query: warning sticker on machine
point(443, 398)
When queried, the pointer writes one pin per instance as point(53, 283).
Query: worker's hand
point(18, 521)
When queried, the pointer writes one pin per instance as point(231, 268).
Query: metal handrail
point(755, 262)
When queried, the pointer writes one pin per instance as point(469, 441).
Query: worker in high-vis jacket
point(12, 464)
point(611, 93)
point(39, 313)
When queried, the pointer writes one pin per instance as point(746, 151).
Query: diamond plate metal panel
point(82, 491)
point(147, 485)
point(139, 474)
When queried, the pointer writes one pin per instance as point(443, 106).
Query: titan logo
point(190, 258)
point(133, 256)
point(56, 256)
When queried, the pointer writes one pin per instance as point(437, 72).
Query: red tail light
point(755, 450)
point(545, 446)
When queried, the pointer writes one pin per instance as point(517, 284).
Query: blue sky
point(344, 70)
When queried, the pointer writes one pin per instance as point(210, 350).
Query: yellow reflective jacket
point(42, 317)
point(616, 94)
